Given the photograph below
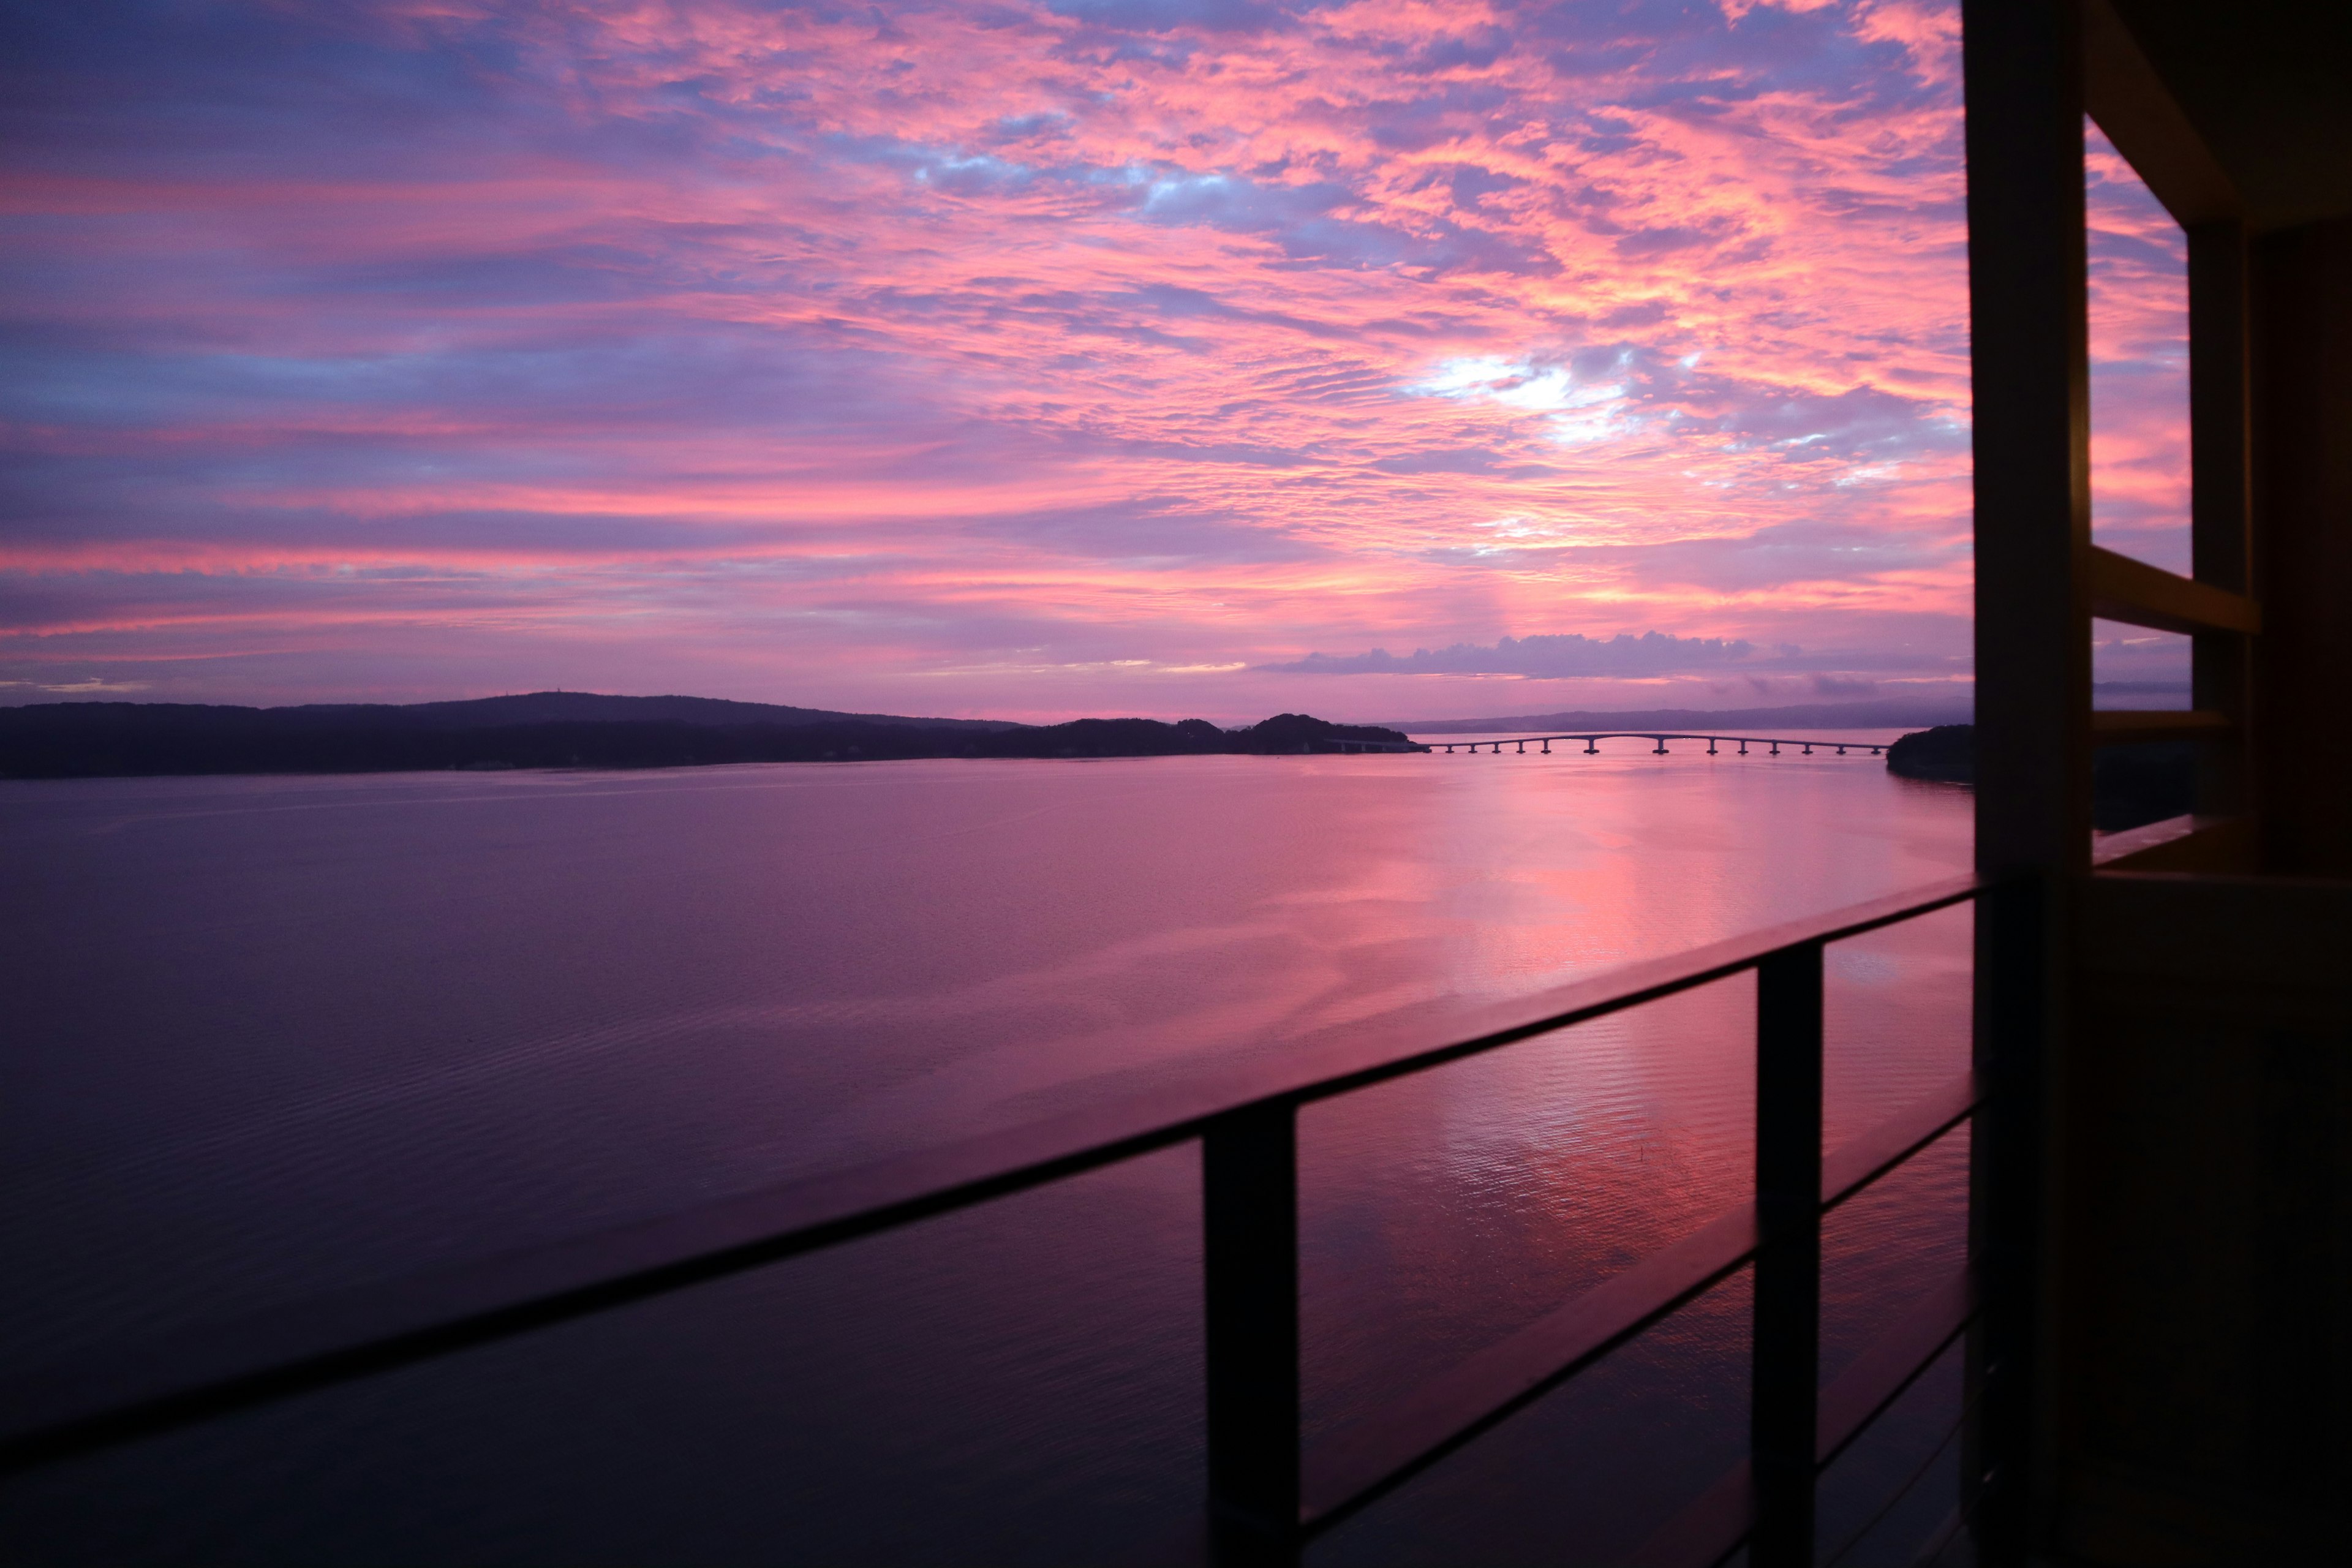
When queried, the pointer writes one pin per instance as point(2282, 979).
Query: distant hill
point(1893, 714)
point(529, 707)
point(555, 730)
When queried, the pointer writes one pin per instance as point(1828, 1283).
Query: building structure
point(2164, 1197)
point(2159, 1317)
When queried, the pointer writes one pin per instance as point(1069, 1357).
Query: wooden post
point(2220, 503)
point(2030, 350)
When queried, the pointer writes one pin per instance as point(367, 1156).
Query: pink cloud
point(2139, 364)
point(1034, 358)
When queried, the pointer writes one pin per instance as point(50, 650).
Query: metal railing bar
point(99, 1401)
point(1368, 1462)
point(1940, 1539)
point(1713, 1526)
point(1919, 1473)
point(1710, 1528)
point(1855, 1164)
point(103, 1399)
point(1650, 980)
point(1895, 1361)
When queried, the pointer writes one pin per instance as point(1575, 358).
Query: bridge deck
point(1591, 739)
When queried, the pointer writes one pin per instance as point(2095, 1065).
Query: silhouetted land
point(2129, 784)
point(559, 730)
point(1947, 753)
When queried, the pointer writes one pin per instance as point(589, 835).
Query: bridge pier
point(1659, 747)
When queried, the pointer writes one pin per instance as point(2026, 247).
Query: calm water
point(274, 1037)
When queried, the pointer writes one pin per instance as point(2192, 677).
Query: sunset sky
point(1015, 359)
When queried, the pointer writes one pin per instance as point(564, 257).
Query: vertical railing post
point(1249, 1180)
point(1785, 1399)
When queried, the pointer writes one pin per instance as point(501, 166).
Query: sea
point(273, 1038)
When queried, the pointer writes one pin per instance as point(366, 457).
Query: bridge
point(1592, 742)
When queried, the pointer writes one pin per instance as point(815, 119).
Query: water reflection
point(299, 1033)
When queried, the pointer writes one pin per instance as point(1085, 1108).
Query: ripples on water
point(280, 1036)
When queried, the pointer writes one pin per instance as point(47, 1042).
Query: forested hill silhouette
point(559, 707)
point(556, 729)
point(2130, 785)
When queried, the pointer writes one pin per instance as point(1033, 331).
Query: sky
point(1378, 358)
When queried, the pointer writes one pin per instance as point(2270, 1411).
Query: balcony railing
point(1267, 1497)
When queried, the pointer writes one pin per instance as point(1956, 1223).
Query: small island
point(1945, 754)
point(2130, 785)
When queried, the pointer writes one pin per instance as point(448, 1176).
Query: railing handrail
point(204, 1371)
point(1366, 1463)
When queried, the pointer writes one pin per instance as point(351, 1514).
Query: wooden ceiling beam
point(2130, 102)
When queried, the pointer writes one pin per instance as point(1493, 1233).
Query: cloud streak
point(1543, 656)
point(1012, 357)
